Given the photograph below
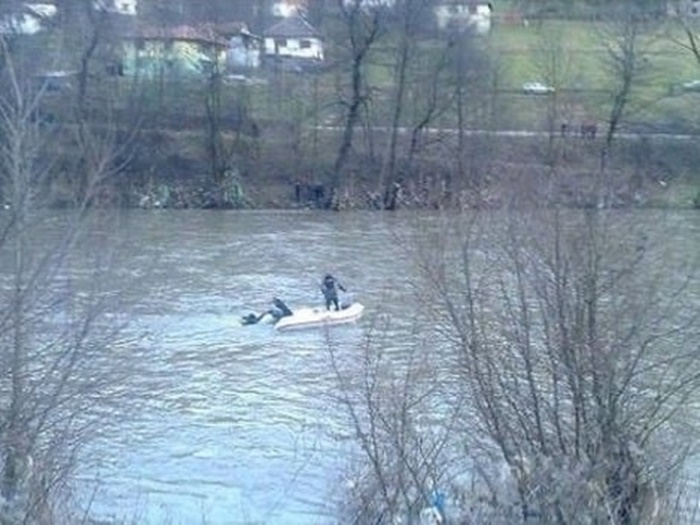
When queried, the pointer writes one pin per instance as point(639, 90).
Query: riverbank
point(171, 170)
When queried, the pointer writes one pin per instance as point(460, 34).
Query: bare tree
point(426, 103)
point(691, 43)
point(472, 73)
point(578, 354)
point(85, 47)
point(52, 334)
point(627, 39)
point(554, 64)
point(412, 14)
point(215, 141)
point(391, 408)
point(364, 28)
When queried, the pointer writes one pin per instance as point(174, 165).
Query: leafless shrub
point(53, 333)
point(564, 360)
point(393, 400)
point(578, 349)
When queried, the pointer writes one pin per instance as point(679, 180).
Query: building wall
point(21, 24)
point(244, 52)
point(460, 15)
point(309, 48)
point(371, 3)
point(126, 7)
point(27, 23)
point(123, 7)
point(152, 56)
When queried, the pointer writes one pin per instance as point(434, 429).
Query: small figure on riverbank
point(330, 287)
point(588, 129)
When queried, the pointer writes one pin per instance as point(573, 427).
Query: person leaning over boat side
point(330, 287)
point(279, 311)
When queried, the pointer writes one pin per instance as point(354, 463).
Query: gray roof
point(292, 27)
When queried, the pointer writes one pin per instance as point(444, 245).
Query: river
point(236, 424)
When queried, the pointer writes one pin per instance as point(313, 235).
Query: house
point(179, 49)
point(119, 7)
point(370, 4)
point(464, 14)
point(293, 42)
point(28, 20)
point(244, 48)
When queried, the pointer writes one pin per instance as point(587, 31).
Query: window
point(305, 44)
point(115, 69)
point(280, 42)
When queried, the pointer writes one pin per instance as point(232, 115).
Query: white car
point(693, 85)
point(537, 88)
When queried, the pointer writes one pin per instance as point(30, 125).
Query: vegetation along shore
point(394, 112)
point(533, 364)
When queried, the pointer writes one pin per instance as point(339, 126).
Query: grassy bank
point(278, 128)
point(572, 56)
point(496, 171)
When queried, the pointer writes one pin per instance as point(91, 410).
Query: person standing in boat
point(330, 287)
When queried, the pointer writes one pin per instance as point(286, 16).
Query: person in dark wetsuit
point(281, 310)
point(252, 318)
point(330, 287)
point(278, 312)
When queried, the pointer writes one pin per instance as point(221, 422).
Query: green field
point(575, 57)
point(572, 56)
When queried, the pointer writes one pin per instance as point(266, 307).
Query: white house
point(29, 20)
point(293, 39)
point(464, 14)
point(152, 50)
point(119, 7)
point(368, 4)
point(245, 48)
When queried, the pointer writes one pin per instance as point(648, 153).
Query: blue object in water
point(438, 501)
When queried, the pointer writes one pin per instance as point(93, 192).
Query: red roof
point(205, 34)
point(229, 29)
point(292, 27)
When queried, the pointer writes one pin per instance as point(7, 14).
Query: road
point(573, 133)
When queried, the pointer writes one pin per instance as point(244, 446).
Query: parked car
point(693, 85)
point(239, 79)
point(537, 88)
